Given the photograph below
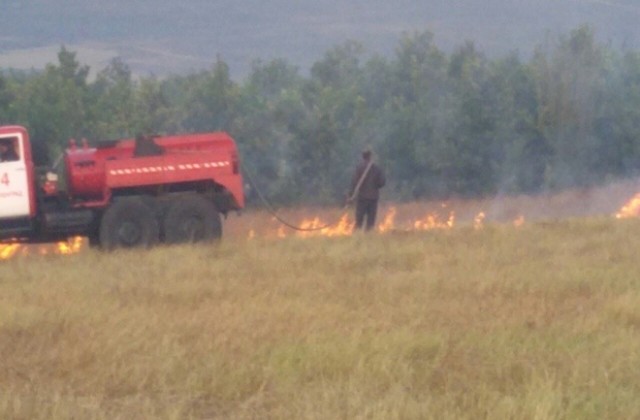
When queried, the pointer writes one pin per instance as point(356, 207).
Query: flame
point(478, 221)
point(317, 226)
point(342, 228)
point(314, 227)
point(8, 251)
point(388, 221)
point(71, 246)
point(432, 221)
point(631, 209)
point(519, 221)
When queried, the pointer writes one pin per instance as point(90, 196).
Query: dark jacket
point(370, 188)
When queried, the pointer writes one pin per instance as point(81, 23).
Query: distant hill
point(165, 36)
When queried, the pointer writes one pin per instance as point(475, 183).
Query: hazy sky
point(164, 36)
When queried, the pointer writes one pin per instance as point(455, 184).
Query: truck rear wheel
point(191, 218)
point(128, 223)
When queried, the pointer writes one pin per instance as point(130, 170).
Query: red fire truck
point(121, 193)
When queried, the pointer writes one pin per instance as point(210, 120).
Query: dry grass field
point(536, 322)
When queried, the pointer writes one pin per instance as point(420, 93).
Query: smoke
point(599, 201)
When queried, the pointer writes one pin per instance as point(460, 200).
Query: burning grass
point(71, 246)
point(615, 199)
point(536, 322)
point(609, 200)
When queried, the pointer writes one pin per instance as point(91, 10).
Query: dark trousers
point(366, 208)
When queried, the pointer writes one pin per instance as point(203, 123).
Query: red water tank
point(86, 167)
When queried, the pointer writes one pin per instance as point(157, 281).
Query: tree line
point(441, 124)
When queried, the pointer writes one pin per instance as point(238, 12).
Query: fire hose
point(275, 214)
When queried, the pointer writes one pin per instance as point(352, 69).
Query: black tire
point(129, 223)
point(191, 218)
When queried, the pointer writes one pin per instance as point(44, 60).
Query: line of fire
point(164, 189)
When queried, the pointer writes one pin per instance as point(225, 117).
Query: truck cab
point(17, 192)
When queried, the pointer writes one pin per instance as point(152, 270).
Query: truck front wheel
point(128, 223)
point(191, 218)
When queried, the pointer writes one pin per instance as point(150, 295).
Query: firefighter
point(7, 151)
point(367, 180)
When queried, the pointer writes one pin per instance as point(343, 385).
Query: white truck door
point(14, 185)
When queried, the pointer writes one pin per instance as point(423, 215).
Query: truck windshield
point(8, 150)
